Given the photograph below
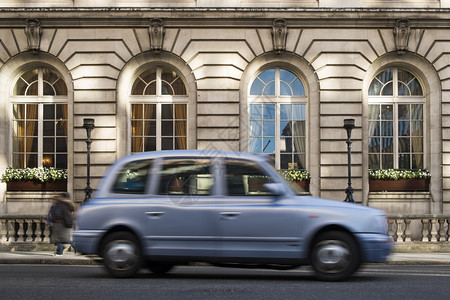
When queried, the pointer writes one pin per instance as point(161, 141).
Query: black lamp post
point(349, 124)
point(88, 124)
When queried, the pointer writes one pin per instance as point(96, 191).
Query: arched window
point(277, 118)
point(396, 121)
point(158, 111)
point(39, 131)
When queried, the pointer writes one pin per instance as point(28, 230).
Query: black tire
point(122, 255)
point(335, 256)
point(159, 267)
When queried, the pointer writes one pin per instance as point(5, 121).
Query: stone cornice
point(235, 17)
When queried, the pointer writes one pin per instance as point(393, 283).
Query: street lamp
point(88, 124)
point(349, 124)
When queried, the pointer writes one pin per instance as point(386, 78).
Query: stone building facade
point(273, 76)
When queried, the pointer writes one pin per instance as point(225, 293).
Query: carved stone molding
point(33, 31)
point(156, 32)
point(279, 35)
point(401, 35)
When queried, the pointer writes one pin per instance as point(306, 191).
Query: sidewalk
point(69, 258)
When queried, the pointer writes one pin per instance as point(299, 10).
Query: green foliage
point(34, 174)
point(394, 174)
point(295, 174)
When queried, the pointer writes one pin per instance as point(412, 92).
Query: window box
point(35, 179)
point(399, 185)
point(393, 180)
point(304, 184)
point(31, 185)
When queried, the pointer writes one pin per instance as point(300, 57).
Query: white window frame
point(40, 100)
point(277, 100)
point(395, 100)
point(158, 99)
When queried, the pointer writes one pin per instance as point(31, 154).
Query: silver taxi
point(161, 209)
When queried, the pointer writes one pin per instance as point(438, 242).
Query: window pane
point(255, 145)
point(149, 128)
point(269, 89)
point(167, 128)
point(417, 144)
point(387, 161)
point(166, 111)
point(374, 145)
point(48, 89)
point(32, 161)
point(403, 128)
point(374, 161)
point(255, 128)
point(298, 88)
point(286, 129)
point(150, 144)
point(387, 145)
point(403, 161)
point(285, 111)
point(299, 128)
point(299, 112)
point(48, 161)
point(167, 143)
point(285, 89)
point(387, 128)
point(374, 128)
point(269, 111)
point(255, 111)
point(386, 112)
point(257, 87)
point(49, 144)
point(181, 177)
point(245, 179)
point(49, 112)
point(49, 128)
point(166, 89)
point(267, 76)
point(299, 161)
point(417, 128)
point(132, 178)
point(417, 161)
point(269, 128)
point(374, 112)
point(136, 144)
point(61, 161)
point(403, 145)
point(388, 90)
point(268, 145)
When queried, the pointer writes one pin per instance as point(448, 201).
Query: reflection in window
point(396, 135)
point(277, 118)
point(132, 178)
point(186, 177)
point(245, 178)
point(39, 134)
point(277, 82)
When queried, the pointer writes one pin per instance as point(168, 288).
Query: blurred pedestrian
point(60, 219)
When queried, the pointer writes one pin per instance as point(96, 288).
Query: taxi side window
point(245, 178)
point(132, 178)
point(186, 176)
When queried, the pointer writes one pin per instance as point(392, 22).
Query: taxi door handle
point(230, 214)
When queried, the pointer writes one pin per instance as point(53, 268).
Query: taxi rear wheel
point(335, 256)
point(122, 255)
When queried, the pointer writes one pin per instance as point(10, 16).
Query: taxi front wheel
point(335, 256)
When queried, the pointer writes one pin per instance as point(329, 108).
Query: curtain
point(180, 125)
point(137, 129)
point(31, 121)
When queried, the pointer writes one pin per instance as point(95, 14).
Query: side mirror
point(275, 189)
